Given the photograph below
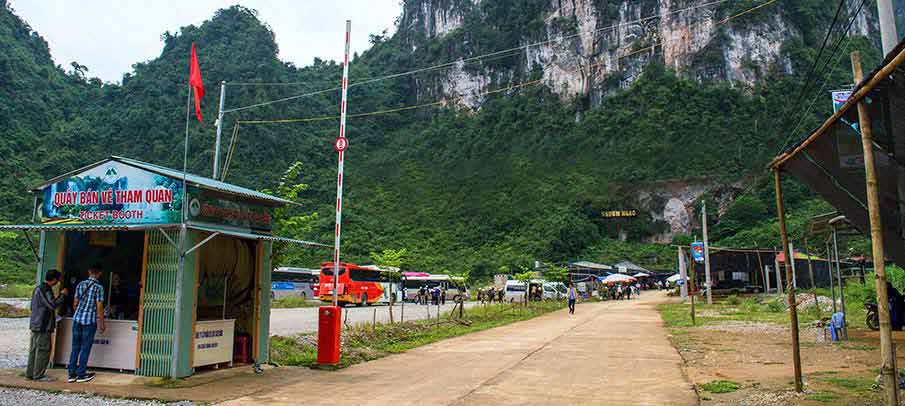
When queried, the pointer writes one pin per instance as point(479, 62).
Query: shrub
point(776, 306)
point(720, 386)
point(733, 300)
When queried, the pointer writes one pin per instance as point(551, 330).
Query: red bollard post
point(328, 335)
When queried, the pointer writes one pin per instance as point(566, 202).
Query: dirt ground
point(758, 356)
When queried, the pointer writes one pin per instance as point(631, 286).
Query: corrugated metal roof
point(254, 236)
point(195, 180)
point(84, 227)
point(631, 266)
point(202, 181)
point(591, 265)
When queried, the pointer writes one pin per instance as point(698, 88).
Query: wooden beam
point(887, 346)
point(793, 304)
point(854, 99)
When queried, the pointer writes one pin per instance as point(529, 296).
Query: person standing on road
point(87, 320)
point(491, 295)
point(572, 297)
point(41, 324)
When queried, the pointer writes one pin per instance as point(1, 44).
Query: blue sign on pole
point(697, 252)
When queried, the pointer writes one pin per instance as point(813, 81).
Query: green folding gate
point(159, 307)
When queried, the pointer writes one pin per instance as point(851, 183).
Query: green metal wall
point(159, 307)
point(50, 254)
point(263, 355)
point(185, 319)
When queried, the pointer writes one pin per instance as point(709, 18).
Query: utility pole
point(683, 275)
point(219, 130)
point(706, 253)
point(887, 346)
point(888, 34)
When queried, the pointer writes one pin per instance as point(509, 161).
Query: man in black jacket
point(43, 320)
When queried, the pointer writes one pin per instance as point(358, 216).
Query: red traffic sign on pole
point(341, 144)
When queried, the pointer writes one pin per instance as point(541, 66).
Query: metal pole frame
point(219, 130)
point(840, 284)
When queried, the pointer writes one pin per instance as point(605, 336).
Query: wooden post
point(887, 347)
point(829, 269)
point(793, 305)
point(807, 252)
point(763, 273)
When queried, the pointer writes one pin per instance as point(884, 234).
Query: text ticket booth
point(186, 287)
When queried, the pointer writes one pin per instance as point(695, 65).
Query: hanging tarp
point(829, 161)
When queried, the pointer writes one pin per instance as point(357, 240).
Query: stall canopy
point(830, 161)
point(630, 267)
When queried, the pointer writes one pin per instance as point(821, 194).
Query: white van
point(554, 290)
point(515, 291)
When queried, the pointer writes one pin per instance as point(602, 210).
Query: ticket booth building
point(187, 285)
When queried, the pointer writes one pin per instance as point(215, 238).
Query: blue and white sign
point(697, 252)
point(113, 193)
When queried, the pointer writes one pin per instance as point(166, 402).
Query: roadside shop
point(186, 264)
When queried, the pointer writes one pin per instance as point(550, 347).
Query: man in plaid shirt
point(86, 321)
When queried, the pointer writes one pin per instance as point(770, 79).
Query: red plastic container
point(328, 331)
point(240, 351)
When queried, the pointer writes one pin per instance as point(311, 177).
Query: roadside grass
point(293, 302)
point(362, 343)
point(823, 396)
point(16, 290)
point(10, 311)
point(720, 386)
point(753, 308)
point(856, 385)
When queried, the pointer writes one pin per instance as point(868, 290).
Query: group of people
point(491, 294)
point(87, 320)
point(431, 295)
point(620, 291)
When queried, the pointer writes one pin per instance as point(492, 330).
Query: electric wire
point(453, 99)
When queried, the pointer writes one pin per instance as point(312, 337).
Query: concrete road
point(611, 353)
point(286, 322)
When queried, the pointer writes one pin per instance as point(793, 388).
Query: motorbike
point(873, 317)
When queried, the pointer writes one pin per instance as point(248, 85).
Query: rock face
point(589, 48)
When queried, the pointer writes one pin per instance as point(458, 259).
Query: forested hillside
point(523, 175)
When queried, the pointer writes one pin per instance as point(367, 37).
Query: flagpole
point(185, 156)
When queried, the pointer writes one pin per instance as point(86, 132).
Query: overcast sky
point(109, 36)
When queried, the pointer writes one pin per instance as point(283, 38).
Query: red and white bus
point(361, 285)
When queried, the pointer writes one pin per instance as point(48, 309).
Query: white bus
point(454, 285)
point(294, 282)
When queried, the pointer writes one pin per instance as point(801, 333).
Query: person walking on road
point(41, 324)
point(87, 320)
point(491, 295)
point(572, 297)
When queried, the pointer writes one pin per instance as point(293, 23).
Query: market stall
point(186, 285)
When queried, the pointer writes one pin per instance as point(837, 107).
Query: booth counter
point(114, 348)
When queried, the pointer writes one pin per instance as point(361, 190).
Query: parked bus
point(454, 285)
point(360, 285)
point(294, 282)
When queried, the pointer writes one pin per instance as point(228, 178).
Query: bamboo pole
point(887, 347)
point(793, 305)
point(763, 274)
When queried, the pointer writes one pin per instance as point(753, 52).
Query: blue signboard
point(113, 193)
point(697, 251)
